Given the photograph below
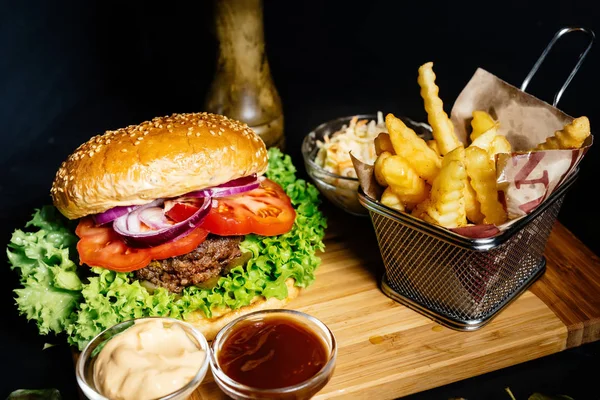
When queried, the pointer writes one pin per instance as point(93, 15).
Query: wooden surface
point(387, 350)
point(571, 286)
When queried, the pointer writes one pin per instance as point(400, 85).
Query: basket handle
point(558, 35)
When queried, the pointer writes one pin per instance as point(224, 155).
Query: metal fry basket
point(462, 283)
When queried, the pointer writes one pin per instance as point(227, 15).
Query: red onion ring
point(129, 226)
point(132, 220)
point(112, 214)
point(230, 188)
point(154, 217)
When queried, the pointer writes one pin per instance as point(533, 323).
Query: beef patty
point(200, 265)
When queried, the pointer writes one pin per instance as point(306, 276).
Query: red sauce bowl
point(273, 354)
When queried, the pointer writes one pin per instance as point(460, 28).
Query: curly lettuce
point(82, 302)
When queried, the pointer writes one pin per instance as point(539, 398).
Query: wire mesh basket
point(457, 281)
point(462, 282)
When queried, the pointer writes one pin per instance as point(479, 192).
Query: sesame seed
point(123, 150)
point(189, 133)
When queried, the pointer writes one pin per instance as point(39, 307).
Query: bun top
point(166, 157)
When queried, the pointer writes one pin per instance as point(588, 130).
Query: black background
point(70, 69)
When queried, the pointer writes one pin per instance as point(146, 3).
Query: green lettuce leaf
point(51, 287)
point(55, 295)
point(35, 394)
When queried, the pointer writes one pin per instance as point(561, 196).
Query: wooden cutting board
point(387, 350)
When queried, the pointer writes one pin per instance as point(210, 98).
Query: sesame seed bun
point(166, 157)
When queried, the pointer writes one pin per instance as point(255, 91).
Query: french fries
point(390, 199)
point(481, 123)
point(484, 141)
point(440, 180)
point(571, 136)
point(500, 144)
point(409, 145)
point(434, 146)
point(446, 182)
point(472, 207)
point(410, 188)
point(442, 128)
point(485, 135)
point(482, 172)
point(383, 143)
point(447, 204)
point(397, 175)
point(379, 175)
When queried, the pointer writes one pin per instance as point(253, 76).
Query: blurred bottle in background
point(242, 87)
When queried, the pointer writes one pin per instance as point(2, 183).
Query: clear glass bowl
point(342, 191)
point(84, 369)
point(303, 390)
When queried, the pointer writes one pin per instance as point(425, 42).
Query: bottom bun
point(211, 326)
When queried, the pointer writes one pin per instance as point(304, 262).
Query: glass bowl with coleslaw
point(326, 152)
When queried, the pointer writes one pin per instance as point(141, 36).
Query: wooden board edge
point(558, 288)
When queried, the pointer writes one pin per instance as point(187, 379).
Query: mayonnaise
point(147, 361)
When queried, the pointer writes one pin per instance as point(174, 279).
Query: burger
point(187, 216)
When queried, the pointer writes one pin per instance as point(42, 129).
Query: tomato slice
point(181, 211)
point(180, 246)
point(101, 246)
point(266, 210)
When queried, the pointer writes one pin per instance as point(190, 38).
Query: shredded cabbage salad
point(62, 297)
point(356, 137)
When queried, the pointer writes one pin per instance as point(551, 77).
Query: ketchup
point(272, 353)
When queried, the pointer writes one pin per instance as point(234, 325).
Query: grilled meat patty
point(206, 262)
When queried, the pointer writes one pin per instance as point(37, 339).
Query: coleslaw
point(357, 137)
